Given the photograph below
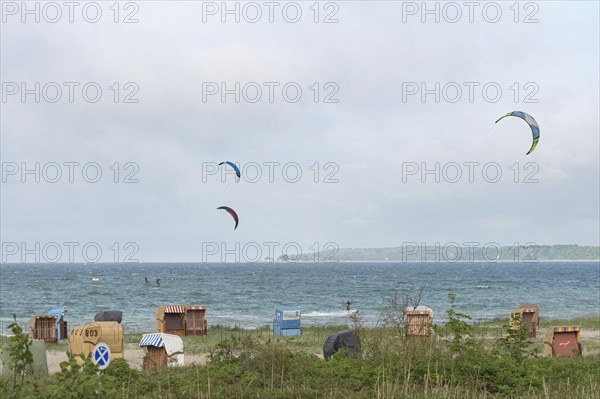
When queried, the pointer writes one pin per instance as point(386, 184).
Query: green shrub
point(462, 365)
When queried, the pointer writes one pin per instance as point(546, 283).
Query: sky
point(374, 126)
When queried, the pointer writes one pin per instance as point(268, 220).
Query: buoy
point(95, 279)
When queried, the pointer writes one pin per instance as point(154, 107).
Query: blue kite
point(234, 166)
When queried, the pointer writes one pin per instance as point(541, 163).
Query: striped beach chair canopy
point(419, 310)
point(198, 307)
point(171, 343)
point(174, 309)
point(529, 310)
point(567, 329)
point(152, 340)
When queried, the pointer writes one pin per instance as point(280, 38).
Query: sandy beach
point(133, 355)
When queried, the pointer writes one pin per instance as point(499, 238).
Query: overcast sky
point(365, 140)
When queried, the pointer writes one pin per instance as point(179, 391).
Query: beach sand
point(133, 355)
point(589, 334)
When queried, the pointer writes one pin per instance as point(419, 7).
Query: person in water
point(157, 283)
point(146, 280)
point(348, 306)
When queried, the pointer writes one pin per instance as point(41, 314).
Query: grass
point(312, 337)
point(255, 364)
point(586, 323)
point(390, 367)
point(310, 341)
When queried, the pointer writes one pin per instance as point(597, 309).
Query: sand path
point(133, 355)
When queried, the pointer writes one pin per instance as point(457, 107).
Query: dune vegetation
point(461, 360)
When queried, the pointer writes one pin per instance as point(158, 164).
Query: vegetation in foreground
point(460, 364)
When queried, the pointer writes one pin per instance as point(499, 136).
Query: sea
point(246, 294)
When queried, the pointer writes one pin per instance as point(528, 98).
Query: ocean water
point(246, 294)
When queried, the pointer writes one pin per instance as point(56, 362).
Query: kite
point(535, 129)
point(232, 213)
point(234, 166)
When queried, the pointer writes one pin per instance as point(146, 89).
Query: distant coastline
point(414, 252)
point(463, 261)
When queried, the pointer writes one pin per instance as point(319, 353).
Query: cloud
point(369, 133)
